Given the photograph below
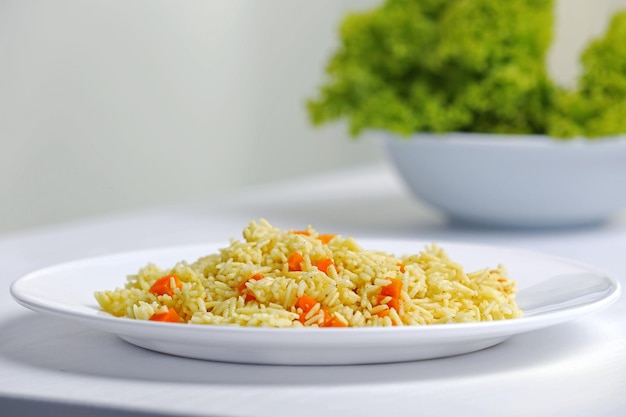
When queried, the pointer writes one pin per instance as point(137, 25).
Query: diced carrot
point(401, 266)
point(306, 303)
point(394, 289)
point(383, 313)
point(333, 321)
point(301, 232)
point(325, 238)
point(243, 288)
point(324, 264)
point(394, 303)
point(302, 318)
point(163, 285)
point(326, 317)
point(329, 320)
point(171, 316)
point(295, 262)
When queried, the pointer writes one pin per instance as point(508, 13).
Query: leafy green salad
point(469, 66)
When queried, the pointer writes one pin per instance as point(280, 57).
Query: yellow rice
point(435, 289)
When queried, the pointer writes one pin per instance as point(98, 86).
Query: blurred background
point(111, 105)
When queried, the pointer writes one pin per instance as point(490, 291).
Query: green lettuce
point(598, 106)
point(465, 66)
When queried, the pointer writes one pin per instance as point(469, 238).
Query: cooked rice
point(435, 289)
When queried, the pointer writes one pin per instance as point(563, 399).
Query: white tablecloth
point(50, 364)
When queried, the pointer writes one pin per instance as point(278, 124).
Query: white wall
point(115, 104)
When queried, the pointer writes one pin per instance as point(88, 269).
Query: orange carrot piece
point(401, 266)
point(394, 292)
point(171, 316)
point(383, 313)
point(394, 289)
point(295, 262)
point(333, 321)
point(301, 232)
point(394, 303)
point(326, 317)
point(325, 238)
point(327, 320)
point(243, 288)
point(306, 303)
point(324, 264)
point(302, 318)
point(163, 285)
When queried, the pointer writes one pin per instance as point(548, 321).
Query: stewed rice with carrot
point(295, 278)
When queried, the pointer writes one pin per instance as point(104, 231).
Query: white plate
point(66, 290)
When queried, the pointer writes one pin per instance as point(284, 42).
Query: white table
point(50, 366)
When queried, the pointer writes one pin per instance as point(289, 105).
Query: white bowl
point(514, 180)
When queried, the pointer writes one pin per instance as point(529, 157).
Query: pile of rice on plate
point(291, 278)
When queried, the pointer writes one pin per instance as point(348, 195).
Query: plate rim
point(120, 325)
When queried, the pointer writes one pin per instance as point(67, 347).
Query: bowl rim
point(500, 140)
